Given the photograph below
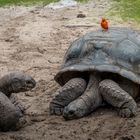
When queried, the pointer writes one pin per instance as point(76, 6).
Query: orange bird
point(104, 24)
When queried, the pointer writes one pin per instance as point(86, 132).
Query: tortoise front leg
point(20, 108)
point(117, 97)
point(14, 99)
point(69, 92)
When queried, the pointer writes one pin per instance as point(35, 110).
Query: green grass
point(82, 1)
point(127, 9)
point(29, 2)
point(25, 2)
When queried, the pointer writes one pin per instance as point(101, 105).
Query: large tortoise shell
point(116, 50)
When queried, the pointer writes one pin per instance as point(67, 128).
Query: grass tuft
point(127, 9)
point(25, 2)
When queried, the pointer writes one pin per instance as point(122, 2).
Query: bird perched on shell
point(104, 24)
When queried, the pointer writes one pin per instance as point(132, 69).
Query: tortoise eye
point(71, 112)
point(28, 82)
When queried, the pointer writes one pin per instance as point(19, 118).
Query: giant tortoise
point(11, 110)
point(98, 68)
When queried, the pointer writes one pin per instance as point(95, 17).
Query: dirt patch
point(34, 40)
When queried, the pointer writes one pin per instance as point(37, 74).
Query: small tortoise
point(11, 110)
point(99, 67)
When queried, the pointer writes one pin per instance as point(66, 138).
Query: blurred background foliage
point(127, 9)
point(30, 2)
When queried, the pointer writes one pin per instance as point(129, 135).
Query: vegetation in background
point(29, 2)
point(127, 9)
point(84, 1)
point(25, 2)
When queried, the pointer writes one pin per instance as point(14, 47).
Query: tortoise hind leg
point(69, 92)
point(117, 97)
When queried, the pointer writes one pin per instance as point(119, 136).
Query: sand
point(34, 40)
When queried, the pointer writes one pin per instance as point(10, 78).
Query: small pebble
point(80, 15)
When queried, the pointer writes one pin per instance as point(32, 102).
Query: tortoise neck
point(5, 85)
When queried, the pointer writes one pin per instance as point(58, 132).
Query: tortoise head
point(74, 110)
point(20, 82)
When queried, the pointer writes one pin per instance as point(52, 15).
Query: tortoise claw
point(127, 112)
point(55, 110)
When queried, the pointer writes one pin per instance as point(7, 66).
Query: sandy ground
point(34, 40)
